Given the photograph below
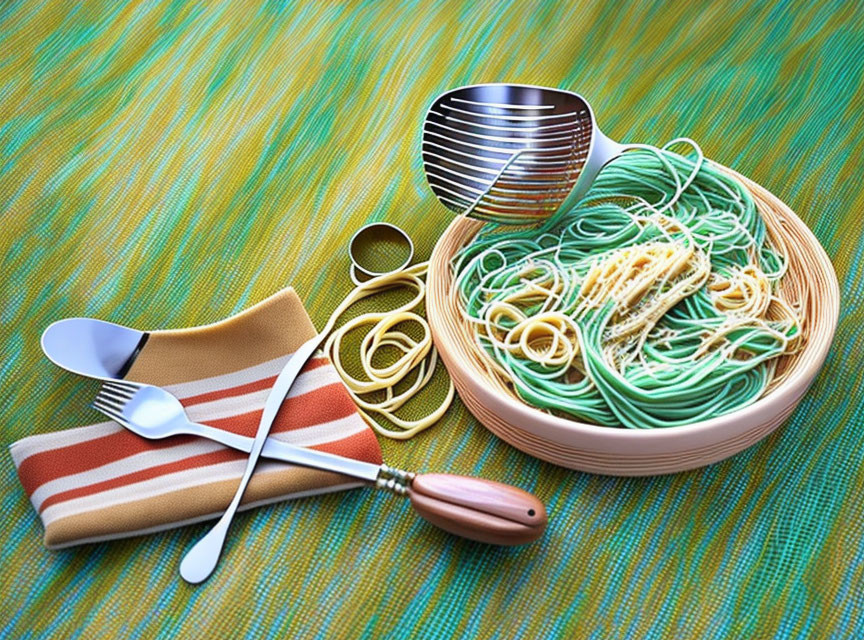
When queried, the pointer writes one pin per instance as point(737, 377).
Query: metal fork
point(152, 412)
point(473, 508)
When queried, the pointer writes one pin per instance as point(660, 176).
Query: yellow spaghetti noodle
point(418, 356)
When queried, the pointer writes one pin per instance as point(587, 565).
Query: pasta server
point(511, 153)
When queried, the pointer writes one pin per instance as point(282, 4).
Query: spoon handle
point(202, 558)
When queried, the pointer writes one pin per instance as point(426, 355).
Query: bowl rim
point(528, 418)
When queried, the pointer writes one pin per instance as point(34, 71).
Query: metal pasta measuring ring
point(368, 235)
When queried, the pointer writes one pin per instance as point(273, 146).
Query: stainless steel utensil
point(201, 559)
point(154, 413)
point(106, 351)
point(92, 348)
point(473, 508)
point(510, 153)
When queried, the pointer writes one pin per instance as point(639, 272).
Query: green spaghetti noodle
point(653, 303)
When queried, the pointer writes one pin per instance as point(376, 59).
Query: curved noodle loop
point(418, 357)
point(653, 303)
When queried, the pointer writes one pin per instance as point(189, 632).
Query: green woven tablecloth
point(167, 164)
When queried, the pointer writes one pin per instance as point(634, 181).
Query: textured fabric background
point(165, 164)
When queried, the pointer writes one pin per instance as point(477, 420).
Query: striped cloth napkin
point(101, 482)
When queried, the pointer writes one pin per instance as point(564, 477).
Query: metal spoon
point(200, 561)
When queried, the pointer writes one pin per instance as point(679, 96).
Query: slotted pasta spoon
point(511, 153)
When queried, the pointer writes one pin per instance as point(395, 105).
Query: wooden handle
point(478, 509)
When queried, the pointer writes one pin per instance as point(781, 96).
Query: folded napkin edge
point(54, 539)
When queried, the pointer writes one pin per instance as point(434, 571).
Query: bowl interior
point(810, 283)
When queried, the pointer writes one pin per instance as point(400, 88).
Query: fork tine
point(100, 407)
point(117, 392)
point(108, 404)
point(107, 411)
point(121, 385)
point(113, 401)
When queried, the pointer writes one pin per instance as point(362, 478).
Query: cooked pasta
point(653, 303)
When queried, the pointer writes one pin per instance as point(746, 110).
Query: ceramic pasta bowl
point(810, 283)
